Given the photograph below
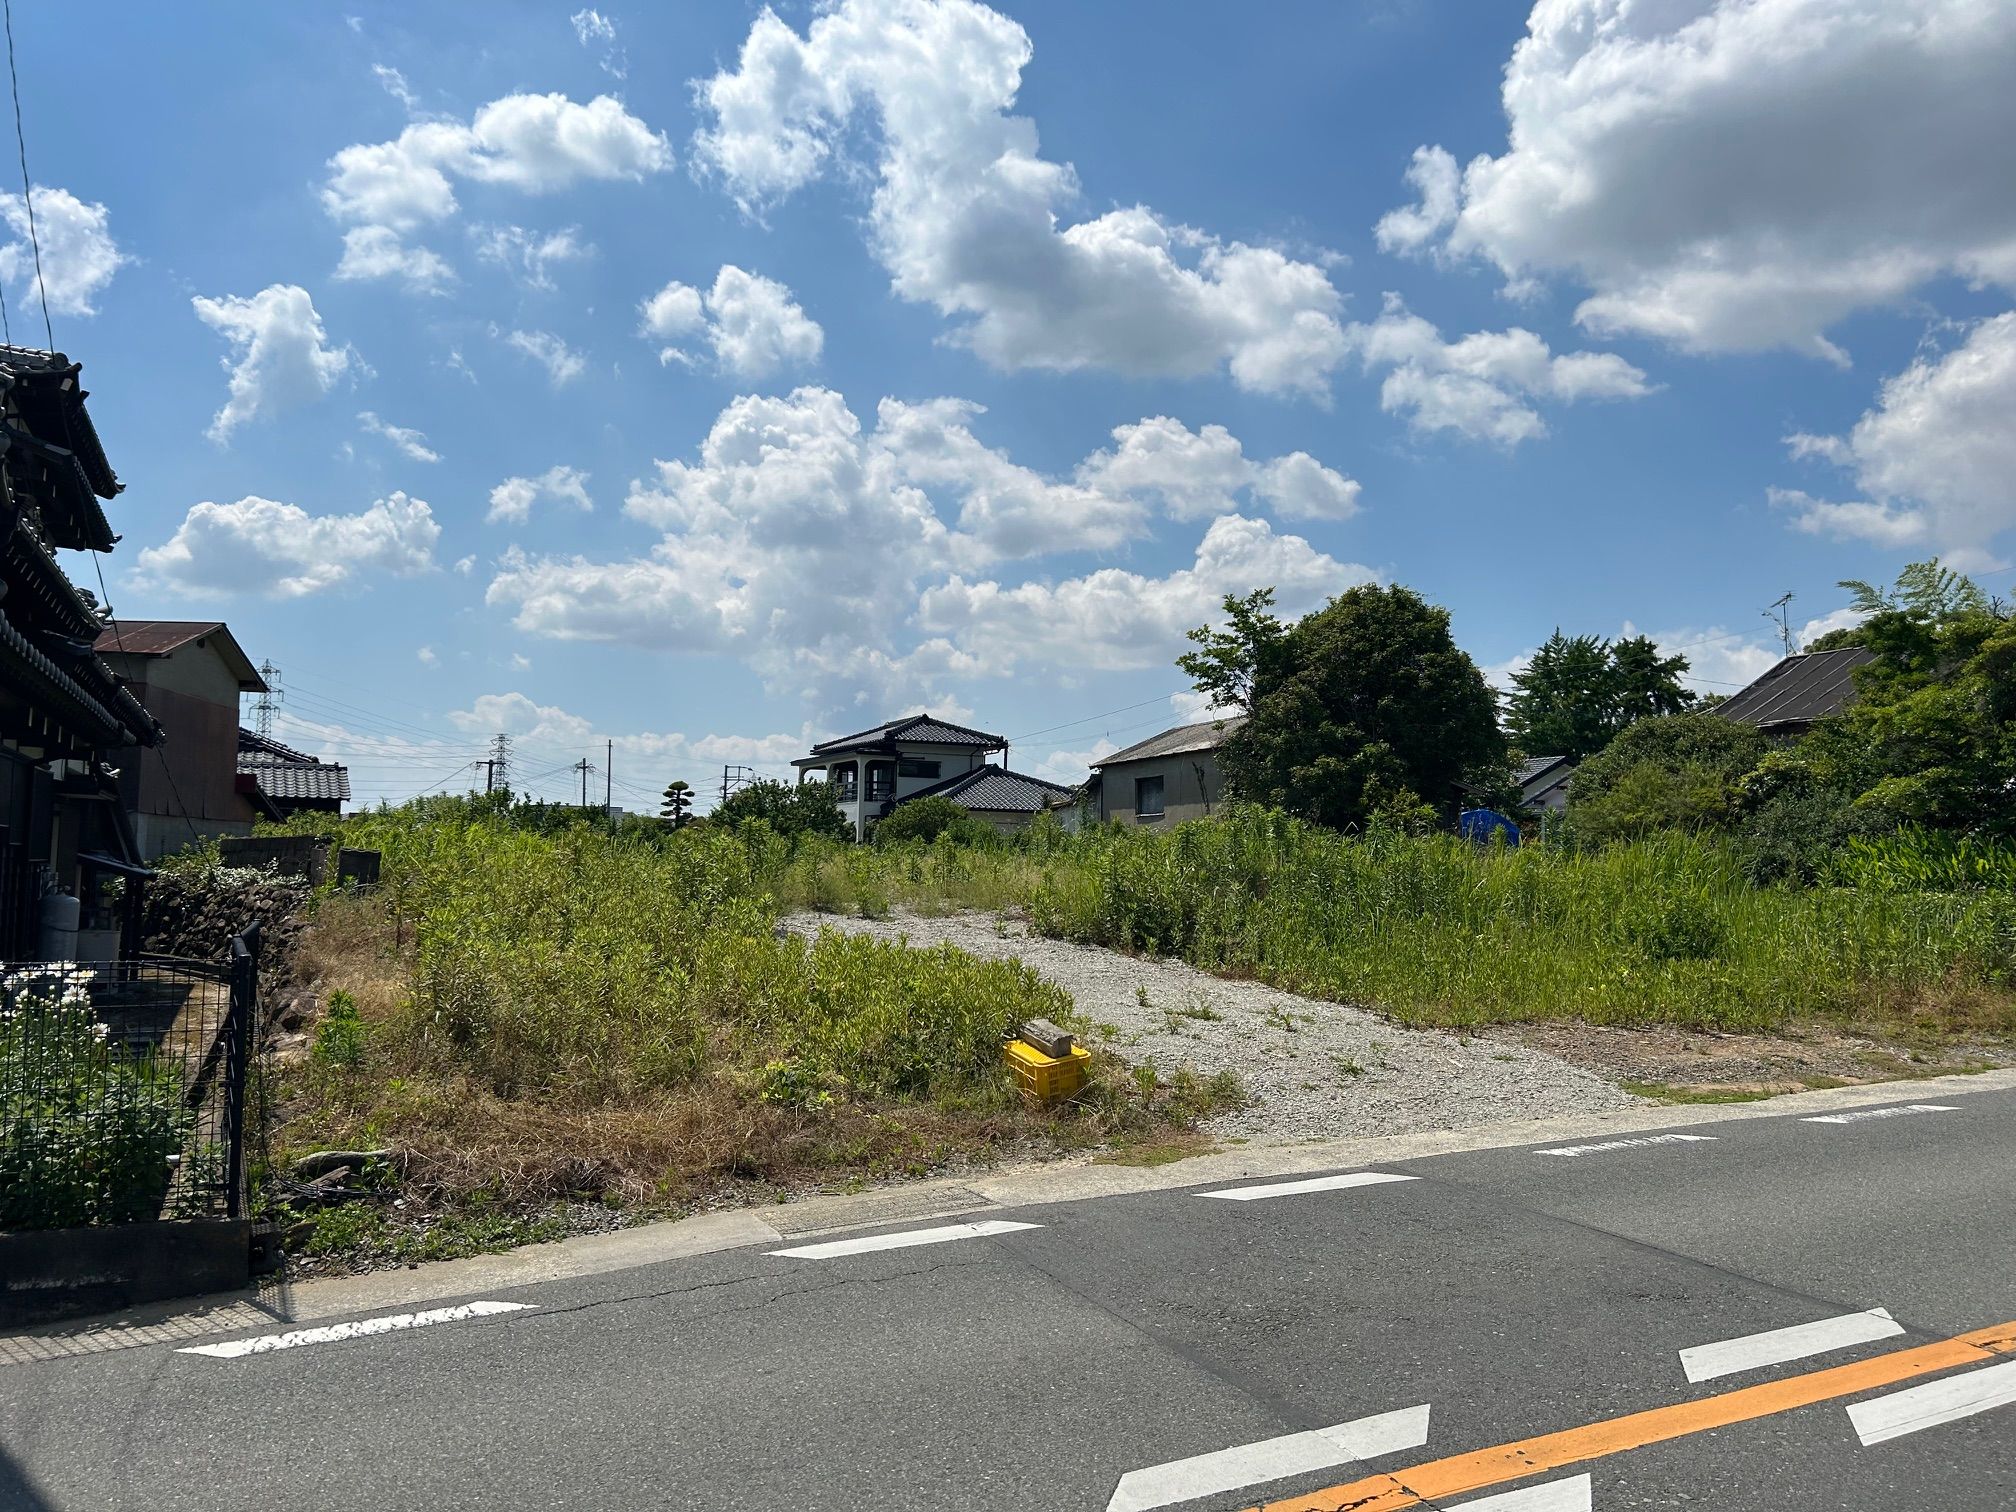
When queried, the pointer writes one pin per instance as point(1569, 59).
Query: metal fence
point(124, 1088)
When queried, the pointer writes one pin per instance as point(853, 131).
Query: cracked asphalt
point(1516, 1293)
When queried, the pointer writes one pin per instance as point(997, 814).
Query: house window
point(845, 778)
point(881, 781)
point(913, 766)
point(1147, 799)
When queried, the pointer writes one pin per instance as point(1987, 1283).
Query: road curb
point(1077, 1180)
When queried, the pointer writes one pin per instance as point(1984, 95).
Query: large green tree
point(1579, 691)
point(805, 808)
point(1365, 707)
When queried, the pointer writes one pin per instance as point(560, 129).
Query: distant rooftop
point(994, 790)
point(1799, 690)
point(921, 728)
point(1205, 736)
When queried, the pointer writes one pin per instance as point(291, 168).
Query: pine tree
point(678, 803)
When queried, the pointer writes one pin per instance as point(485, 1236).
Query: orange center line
point(1479, 1468)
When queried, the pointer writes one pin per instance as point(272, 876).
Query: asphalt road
point(1525, 1299)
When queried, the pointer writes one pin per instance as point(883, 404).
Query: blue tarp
point(1481, 824)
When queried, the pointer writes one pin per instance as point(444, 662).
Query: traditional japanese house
point(63, 831)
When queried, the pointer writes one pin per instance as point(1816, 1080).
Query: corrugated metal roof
point(1207, 736)
point(163, 637)
point(153, 637)
point(1799, 690)
point(918, 727)
point(989, 787)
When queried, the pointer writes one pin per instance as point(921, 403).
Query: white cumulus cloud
point(1740, 174)
point(1482, 386)
point(753, 324)
point(371, 252)
point(534, 143)
point(1198, 474)
point(264, 547)
point(1934, 458)
point(811, 547)
point(79, 255)
point(280, 355)
point(513, 499)
point(969, 217)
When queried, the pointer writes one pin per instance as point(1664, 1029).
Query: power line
point(27, 192)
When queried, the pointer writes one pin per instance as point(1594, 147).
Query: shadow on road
point(18, 1492)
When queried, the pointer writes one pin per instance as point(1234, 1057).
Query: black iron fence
point(125, 1088)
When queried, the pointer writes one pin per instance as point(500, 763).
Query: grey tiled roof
point(1799, 690)
point(1536, 766)
point(917, 727)
point(1207, 736)
point(297, 781)
point(989, 787)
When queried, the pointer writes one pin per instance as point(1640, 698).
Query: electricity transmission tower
point(497, 770)
point(262, 711)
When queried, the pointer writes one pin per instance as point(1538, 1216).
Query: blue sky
point(709, 379)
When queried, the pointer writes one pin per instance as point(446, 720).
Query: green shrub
point(90, 1131)
point(929, 817)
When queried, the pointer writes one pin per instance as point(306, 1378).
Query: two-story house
point(874, 770)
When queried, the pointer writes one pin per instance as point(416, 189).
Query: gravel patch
point(1312, 1069)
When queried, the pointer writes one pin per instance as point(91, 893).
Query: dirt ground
point(1690, 1065)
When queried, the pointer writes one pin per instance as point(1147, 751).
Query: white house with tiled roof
point(874, 770)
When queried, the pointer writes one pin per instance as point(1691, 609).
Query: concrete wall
point(1192, 787)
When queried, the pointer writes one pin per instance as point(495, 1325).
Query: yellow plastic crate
point(1045, 1078)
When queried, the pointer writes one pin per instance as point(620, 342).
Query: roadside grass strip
point(1437, 1481)
point(1572, 1495)
point(1862, 1115)
point(1708, 1362)
point(867, 1244)
point(1947, 1401)
point(1627, 1144)
point(336, 1333)
point(1269, 1460)
point(1313, 1184)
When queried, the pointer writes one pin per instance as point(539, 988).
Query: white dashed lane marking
point(1860, 1115)
point(1628, 1144)
point(1708, 1362)
point(1313, 1184)
point(336, 1333)
point(1937, 1402)
point(832, 1249)
point(1269, 1460)
point(1572, 1495)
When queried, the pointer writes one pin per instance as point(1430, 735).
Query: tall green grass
point(1436, 930)
point(591, 967)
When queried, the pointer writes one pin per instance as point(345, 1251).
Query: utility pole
point(499, 764)
point(262, 711)
point(584, 766)
point(608, 775)
point(733, 777)
point(1783, 621)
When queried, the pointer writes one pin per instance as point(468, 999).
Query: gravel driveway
point(1312, 1069)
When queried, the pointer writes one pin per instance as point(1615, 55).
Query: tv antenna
point(1778, 616)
